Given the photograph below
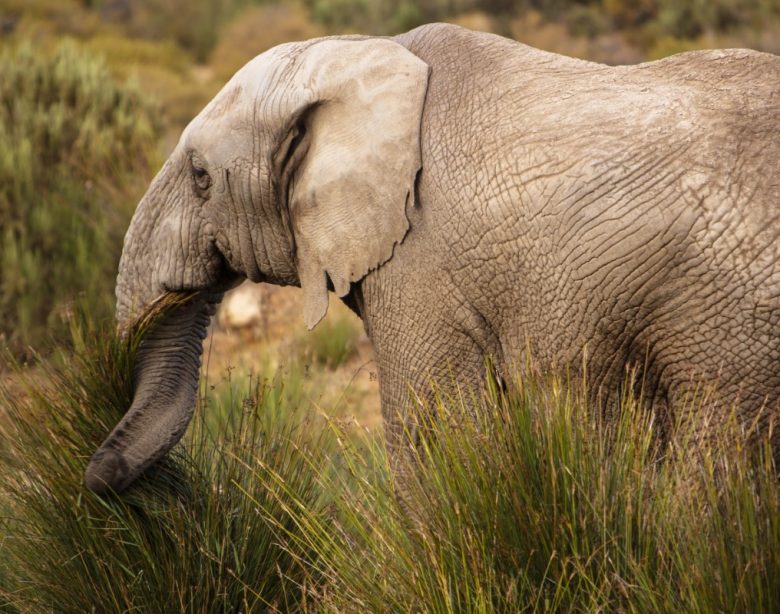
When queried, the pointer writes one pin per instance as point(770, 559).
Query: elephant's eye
point(201, 177)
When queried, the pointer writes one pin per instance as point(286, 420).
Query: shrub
point(71, 141)
point(66, 17)
point(691, 18)
point(192, 24)
point(342, 14)
point(193, 534)
point(166, 71)
point(382, 17)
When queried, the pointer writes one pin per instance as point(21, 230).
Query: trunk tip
point(107, 471)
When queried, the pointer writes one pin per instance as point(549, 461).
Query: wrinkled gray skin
point(559, 205)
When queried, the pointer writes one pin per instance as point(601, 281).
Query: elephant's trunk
point(166, 385)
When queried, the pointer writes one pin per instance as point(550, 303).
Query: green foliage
point(534, 506)
point(192, 24)
point(70, 140)
point(165, 70)
point(374, 17)
point(690, 18)
point(66, 17)
point(257, 29)
point(587, 21)
point(332, 342)
point(192, 535)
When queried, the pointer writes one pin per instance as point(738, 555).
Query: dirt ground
point(275, 337)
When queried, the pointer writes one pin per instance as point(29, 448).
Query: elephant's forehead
point(267, 68)
point(235, 103)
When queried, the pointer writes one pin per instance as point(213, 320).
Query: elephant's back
point(731, 178)
point(748, 74)
point(732, 100)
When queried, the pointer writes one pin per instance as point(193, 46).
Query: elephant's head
point(298, 172)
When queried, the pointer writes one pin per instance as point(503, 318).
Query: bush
point(166, 71)
point(71, 141)
point(193, 534)
point(691, 18)
point(35, 17)
point(192, 24)
point(381, 17)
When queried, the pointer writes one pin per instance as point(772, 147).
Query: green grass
point(529, 504)
point(192, 535)
point(332, 343)
point(535, 506)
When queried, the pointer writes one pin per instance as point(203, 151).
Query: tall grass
point(191, 535)
point(536, 506)
point(71, 141)
point(530, 503)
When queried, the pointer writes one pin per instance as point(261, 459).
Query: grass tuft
point(536, 506)
point(191, 535)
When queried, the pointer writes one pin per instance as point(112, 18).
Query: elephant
point(469, 196)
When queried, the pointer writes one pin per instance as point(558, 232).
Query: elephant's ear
point(348, 195)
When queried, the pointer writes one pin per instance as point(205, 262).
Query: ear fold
point(349, 193)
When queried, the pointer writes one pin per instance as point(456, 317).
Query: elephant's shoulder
point(438, 43)
point(447, 35)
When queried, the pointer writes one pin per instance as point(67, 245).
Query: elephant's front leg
point(414, 363)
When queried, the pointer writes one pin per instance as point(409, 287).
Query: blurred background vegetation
point(93, 94)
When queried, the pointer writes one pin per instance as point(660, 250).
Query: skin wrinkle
point(483, 237)
point(600, 258)
point(272, 203)
point(245, 220)
point(582, 229)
